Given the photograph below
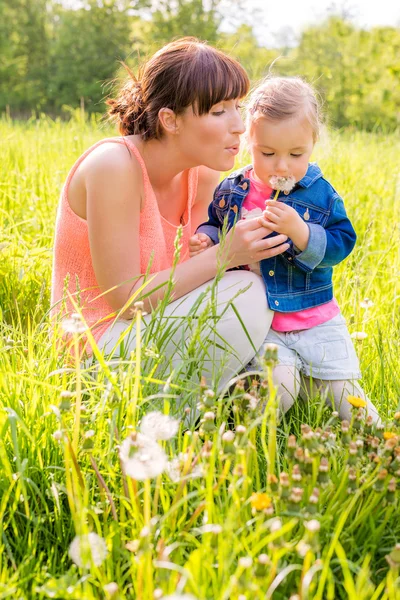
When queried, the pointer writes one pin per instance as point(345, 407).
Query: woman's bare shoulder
point(109, 156)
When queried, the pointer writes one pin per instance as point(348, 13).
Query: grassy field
point(306, 509)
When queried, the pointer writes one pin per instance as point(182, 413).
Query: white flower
point(245, 562)
point(87, 549)
point(284, 184)
point(157, 426)
point(366, 303)
point(111, 588)
point(359, 335)
point(58, 435)
point(210, 528)
point(74, 324)
point(179, 597)
point(312, 526)
point(142, 457)
point(176, 467)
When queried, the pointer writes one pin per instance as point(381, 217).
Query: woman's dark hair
point(184, 73)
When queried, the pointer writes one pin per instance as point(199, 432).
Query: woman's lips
point(233, 150)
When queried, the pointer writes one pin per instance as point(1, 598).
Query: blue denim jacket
point(294, 280)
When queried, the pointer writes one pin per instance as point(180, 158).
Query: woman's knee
point(251, 305)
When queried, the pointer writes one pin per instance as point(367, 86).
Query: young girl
point(290, 196)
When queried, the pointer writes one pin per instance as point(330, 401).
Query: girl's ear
point(168, 120)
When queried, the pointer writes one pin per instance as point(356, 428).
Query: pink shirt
point(253, 206)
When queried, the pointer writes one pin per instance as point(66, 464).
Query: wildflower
point(178, 468)
point(179, 597)
point(158, 426)
point(245, 562)
point(312, 526)
point(359, 335)
point(271, 354)
point(240, 430)
point(111, 589)
point(210, 528)
point(75, 324)
point(142, 457)
point(303, 548)
point(283, 184)
point(391, 491)
point(58, 435)
point(388, 435)
point(87, 549)
point(366, 303)
point(356, 401)
point(260, 501)
point(380, 481)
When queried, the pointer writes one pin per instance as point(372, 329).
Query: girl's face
point(280, 148)
point(212, 139)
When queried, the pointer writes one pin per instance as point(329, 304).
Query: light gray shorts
point(325, 351)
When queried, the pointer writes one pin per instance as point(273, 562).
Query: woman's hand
point(245, 243)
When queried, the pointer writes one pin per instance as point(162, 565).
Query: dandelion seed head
point(312, 526)
point(284, 184)
point(58, 435)
point(111, 588)
point(158, 426)
point(228, 436)
point(74, 324)
point(142, 457)
point(359, 335)
point(85, 549)
point(366, 303)
point(245, 562)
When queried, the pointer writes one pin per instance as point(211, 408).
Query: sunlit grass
point(199, 530)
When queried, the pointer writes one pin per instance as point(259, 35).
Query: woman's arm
point(114, 192)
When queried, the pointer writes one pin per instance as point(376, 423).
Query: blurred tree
point(88, 44)
point(24, 50)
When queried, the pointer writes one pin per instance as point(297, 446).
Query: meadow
point(241, 506)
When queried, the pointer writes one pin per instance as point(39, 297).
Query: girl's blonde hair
point(281, 98)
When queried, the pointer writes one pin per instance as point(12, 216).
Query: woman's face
point(212, 139)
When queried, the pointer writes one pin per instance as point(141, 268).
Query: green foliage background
point(56, 56)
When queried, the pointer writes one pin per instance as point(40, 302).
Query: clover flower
point(142, 457)
point(158, 426)
point(87, 549)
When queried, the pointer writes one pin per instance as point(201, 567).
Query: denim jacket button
point(276, 303)
point(271, 273)
point(221, 203)
point(235, 209)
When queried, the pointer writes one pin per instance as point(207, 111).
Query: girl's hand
point(245, 243)
point(282, 218)
point(198, 243)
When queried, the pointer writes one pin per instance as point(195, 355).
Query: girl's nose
point(281, 167)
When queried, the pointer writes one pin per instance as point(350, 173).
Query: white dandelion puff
point(74, 324)
point(359, 335)
point(87, 549)
point(283, 184)
point(142, 457)
point(179, 597)
point(157, 426)
point(366, 303)
point(245, 562)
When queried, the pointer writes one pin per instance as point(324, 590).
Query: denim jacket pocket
point(309, 213)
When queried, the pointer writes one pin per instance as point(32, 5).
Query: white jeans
point(202, 337)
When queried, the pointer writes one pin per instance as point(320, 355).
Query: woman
point(125, 198)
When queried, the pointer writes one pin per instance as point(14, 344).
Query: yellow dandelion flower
point(356, 401)
point(388, 435)
point(260, 501)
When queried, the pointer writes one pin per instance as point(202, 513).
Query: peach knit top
point(72, 262)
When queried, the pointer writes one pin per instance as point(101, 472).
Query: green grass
point(159, 533)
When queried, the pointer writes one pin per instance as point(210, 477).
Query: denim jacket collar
point(313, 173)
